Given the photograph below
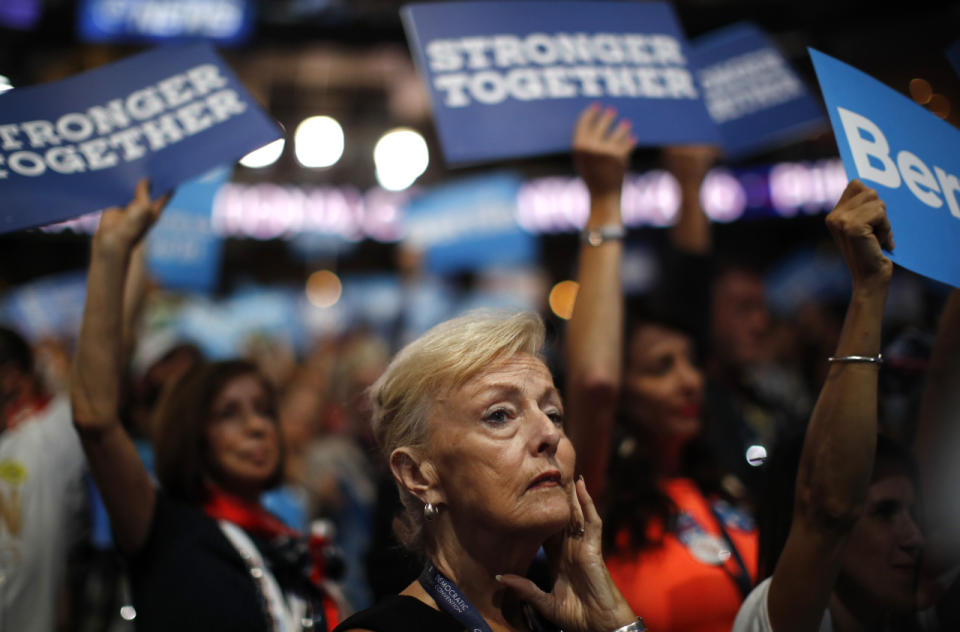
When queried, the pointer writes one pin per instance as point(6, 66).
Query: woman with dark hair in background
point(203, 554)
point(682, 556)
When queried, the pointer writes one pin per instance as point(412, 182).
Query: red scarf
point(23, 408)
point(257, 521)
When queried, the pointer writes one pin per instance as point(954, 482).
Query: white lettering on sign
point(746, 84)
point(490, 70)
point(871, 157)
point(125, 129)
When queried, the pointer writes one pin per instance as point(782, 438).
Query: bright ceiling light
point(265, 156)
point(318, 142)
point(401, 156)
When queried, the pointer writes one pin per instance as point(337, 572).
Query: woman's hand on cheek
point(584, 597)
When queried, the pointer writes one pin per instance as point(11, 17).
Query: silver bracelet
point(608, 232)
point(633, 626)
point(877, 359)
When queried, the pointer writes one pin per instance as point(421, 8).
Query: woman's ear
point(416, 474)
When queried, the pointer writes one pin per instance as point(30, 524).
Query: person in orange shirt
point(677, 547)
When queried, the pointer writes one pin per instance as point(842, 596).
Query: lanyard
point(741, 579)
point(451, 600)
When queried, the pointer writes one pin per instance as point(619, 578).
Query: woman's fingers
point(590, 513)
point(577, 525)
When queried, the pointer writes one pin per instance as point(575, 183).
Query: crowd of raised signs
point(744, 475)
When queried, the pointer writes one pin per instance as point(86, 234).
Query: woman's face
point(501, 457)
point(242, 436)
point(663, 387)
point(882, 557)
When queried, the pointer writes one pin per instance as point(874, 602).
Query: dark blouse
point(400, 613)
point(188, 576)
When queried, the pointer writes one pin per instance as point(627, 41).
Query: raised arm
point(689, 165)
point(123, 482)
point(594, 336)
point(838, 451)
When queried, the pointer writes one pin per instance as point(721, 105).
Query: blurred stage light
point(562, 297)
point(323, 289)
point(401, 156)
point(318, 142)
point(920, 90)
point(5, 84)
point(265, 156)
point(939, 105)
point(756, 455)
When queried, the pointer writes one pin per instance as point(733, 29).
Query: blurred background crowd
point(321, 269)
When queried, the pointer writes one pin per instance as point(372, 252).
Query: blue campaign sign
point(751, 92)
point(469, 225)
point(911, 157)
point(953, 54)
point(508, 79)
point(182, 251)
point(80, 144)
point(225, 22)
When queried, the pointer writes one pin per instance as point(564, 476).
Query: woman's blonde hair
point(443, 359)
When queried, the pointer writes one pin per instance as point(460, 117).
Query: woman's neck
point(472, 559)
point(851, 614)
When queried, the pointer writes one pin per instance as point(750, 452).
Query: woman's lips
point(552, 478)
point(689, 410)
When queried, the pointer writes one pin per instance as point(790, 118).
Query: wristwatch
point(600, 234)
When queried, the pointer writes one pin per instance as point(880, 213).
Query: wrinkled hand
point(121, 229)
point(860, 227)
point(601, 150)
point(584, 597)
point(689, 164)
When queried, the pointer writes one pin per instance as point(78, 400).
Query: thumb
point(529, 592)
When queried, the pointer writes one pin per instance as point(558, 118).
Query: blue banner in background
point(225, 22)
point(182, 251)
point(751, 92)
point(953, 54)
point(509, 79)
point(81, 144)
point(51, 306)
point(911, 157)
point(469, 225)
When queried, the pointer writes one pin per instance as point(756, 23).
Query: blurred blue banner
point(911, 157)
point(469, 225)
point(20, 14)
point(509, 79)
point(51, 306)
point(225, 22)
point(953, 54)
point(182, 251)
point(751, 92)
point(81, 144)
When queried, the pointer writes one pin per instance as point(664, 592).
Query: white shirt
point(41, 508)
point(754, 615)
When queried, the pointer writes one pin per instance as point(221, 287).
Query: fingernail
point(580, 478)
point(611, 110)
point(499, 578)
point(626, 123)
